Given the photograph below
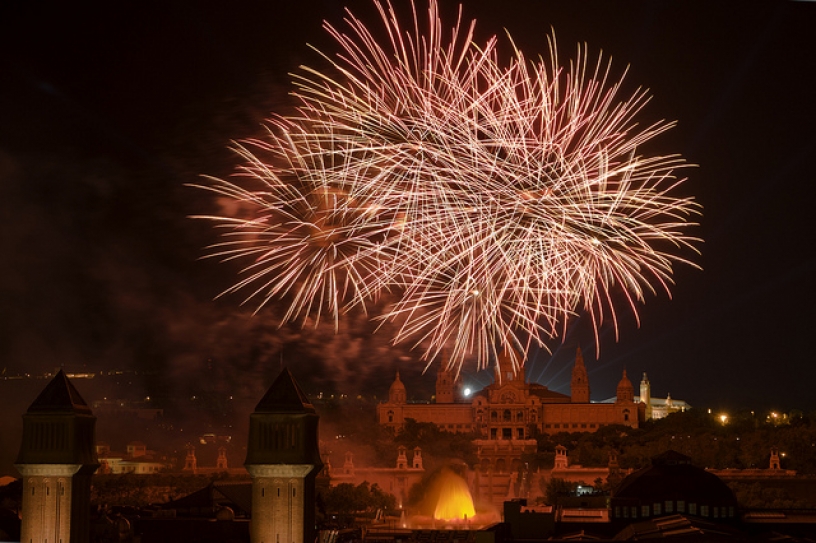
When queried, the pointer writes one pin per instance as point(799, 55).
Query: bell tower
point(625, 392)
point(646, 395)
point(283, 460)
point(445, 384)
point(579, 385)
point(57, 458)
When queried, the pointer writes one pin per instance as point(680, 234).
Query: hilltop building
point(504, 416)
point(136, 459)
point(57, 458)
point(509, 407)
point(655, 408)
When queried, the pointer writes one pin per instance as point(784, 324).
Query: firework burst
point(495, 200)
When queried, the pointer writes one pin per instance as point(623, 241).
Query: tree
point(556, 487)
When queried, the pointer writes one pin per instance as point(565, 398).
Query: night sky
point(108, 113)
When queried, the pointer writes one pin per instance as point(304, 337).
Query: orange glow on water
point(455, 501)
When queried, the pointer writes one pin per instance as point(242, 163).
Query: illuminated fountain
point(455, 502)
point(452, 506)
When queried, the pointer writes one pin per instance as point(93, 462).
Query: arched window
point(507, 415)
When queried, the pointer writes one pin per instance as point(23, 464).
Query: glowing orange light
point(455, 501)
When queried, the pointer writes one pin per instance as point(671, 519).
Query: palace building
point(508, 408)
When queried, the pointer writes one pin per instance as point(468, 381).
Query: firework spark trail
point(497, 201)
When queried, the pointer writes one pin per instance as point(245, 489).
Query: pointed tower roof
point(59, 396)
point(509, 365)
point(284, 396)
point(397, 384)
point(579, 358)
point(625, 382)
point(58, 428)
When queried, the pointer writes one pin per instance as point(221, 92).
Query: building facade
point(283, 460)
point(511, 408)
point(57, 459)
point(655, 408)
point(407, 471)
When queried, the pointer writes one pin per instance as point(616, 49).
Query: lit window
point(644, 511)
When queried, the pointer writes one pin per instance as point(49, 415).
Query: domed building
point(507, 409)
point(673, 485)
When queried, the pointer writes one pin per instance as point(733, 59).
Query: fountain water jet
point(455, 502)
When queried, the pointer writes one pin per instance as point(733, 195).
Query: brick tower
point(283, 460)
point(579, 386)
point(646, 395)
point(57, 458)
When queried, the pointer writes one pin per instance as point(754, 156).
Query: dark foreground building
point(57, 459)
point(672, 484)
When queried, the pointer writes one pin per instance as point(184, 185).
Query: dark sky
point(106, 114)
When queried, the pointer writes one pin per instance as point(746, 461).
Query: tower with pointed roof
point(283, 460)
point(396, 394)
point(625, 392)
point(509, 366)
point(579, 385)
point(448, 382)
point(646, 395)
point(445, 386)
point(57, 458)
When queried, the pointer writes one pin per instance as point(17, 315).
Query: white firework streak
point(498, 201)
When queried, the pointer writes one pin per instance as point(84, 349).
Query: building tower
point(190, 461)
point(646, 395)
point(579, 385)
point(402, 460)
point(397, 394)
point(57, 458)
point(613, 466)
point(506, 370)
point(417, 458)
point(283, 460)
point(775, 459)
point(221, 461)
point(626, 392)
point(561, 458)
point(445, 385)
